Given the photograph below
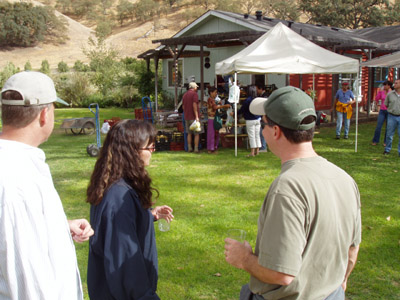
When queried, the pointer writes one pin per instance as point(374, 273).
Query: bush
point(28, 66)
point(74, 88)
point(22, 24)
point(9, 70)
point(45, 67)
point(81, 67)
point(62, 67)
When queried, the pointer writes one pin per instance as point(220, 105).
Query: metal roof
point(335, 38)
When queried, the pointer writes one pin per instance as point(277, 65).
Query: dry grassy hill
point(130, 40)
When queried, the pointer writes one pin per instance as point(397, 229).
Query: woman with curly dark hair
point(122, 253)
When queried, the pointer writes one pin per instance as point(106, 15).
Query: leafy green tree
point(104, 64)
point(286, 10)
point(45, 67)
point(79, 66)
point(350, 13)
point(103, 29)
point(22, 24)
point(125, 11)
point(62, 67)
point(145, 9)
point(74, 88)
point(9, 70)
point(28, 66)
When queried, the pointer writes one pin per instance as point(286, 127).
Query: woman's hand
point(164, 212)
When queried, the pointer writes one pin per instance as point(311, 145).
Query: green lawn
point(212, 193)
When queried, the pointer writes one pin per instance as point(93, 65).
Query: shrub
point(81, 67)
point(9, 70)
point(62, 67)
point(28, 66)
point(74, 88)
point(45, 67)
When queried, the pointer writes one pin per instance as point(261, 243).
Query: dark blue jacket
point(122, 252)
point(245, 110)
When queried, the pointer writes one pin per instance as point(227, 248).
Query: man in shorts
point(191, 110)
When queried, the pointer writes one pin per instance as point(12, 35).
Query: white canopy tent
point(389, 60)
point(281, 50)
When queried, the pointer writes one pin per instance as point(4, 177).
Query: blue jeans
point(263, 142)
point(382, 117)
point(340, 117)
point(393, 123)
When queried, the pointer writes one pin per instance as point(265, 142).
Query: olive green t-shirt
point(309, 219)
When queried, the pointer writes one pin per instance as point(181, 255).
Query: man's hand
point(80, 229)
point(236, 253)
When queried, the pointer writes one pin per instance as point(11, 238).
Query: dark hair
point(260, 87)
point(296, 136)
point(19, 116)
point(389, 83)
point(120, 158)
point(211, 89)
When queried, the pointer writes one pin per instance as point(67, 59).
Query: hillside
point(130, 41)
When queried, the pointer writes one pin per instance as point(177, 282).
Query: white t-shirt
point(37, 254)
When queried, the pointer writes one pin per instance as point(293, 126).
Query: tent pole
point(234, 98)
point(358, 89)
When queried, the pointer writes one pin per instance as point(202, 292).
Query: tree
point(106, 69)
point(350, 13)
point(125, 10)
point(9, 70)
point(45, 67)
point(28, 66)
point(22, 24)
point(62, 67)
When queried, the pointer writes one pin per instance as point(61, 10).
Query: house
point(191, 54)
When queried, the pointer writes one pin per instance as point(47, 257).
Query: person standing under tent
point(343, 103)
point(212, 107)
point(383, 114)
point(392, 102)
point(261, 92)
point(253, 124)
point(191, 110)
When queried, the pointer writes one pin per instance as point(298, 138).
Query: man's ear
point(277, 132)
point(43, 116)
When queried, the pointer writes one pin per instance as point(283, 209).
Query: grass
point(212, 193)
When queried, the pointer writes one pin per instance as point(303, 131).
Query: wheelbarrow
point(79, 125)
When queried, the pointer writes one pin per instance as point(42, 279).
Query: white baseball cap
point(36, 88)
point(193, 85)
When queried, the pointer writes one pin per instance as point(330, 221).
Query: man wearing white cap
point(309, 227)
point(191, 110)
point(37, 254)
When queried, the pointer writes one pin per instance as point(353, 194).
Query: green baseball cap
point(287, 107)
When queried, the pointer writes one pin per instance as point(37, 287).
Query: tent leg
point(235, 115)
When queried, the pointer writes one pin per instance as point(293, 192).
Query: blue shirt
point(245, 110)
point(344, 97)
point(122, 253)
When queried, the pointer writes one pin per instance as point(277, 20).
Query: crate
point(228, 140)
point(177, 146)
point(179, 126)
point(139, 114)
point(163, 140)
point(112, 121)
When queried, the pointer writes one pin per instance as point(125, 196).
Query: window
point(381, 74)
point(171, 73)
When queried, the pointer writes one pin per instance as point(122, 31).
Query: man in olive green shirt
point(309, 228)
point(392, 103)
